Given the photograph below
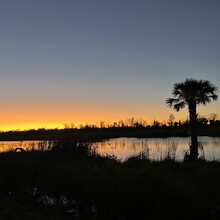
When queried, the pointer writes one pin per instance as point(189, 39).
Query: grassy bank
point(76, 183)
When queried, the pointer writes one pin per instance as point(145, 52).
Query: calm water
point(154, 148)
point(159, 148)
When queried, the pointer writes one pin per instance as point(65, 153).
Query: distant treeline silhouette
point(135, 122)
point(128, 128)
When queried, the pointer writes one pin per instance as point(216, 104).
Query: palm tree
point(191, 93)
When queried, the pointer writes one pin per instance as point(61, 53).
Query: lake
point(154, 148)
point(160, 148)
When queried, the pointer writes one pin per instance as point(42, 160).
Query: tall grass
point(156, 154)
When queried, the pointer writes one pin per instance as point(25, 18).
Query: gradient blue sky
point(81, 61)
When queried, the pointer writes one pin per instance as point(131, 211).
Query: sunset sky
point(83, 61)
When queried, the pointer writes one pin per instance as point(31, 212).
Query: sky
point(83, 61)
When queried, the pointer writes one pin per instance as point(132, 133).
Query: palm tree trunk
point(194, 137)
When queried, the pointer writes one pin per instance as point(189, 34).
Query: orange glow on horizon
point(14, 125)
point(51, 117)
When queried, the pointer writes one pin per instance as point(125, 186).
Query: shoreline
point(98, 134)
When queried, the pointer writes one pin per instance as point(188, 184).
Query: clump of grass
point(170, 154)
point(71, 149)
point(143, 155)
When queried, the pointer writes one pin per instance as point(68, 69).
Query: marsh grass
point(144, 154)
point(71, 181)
point(156, 154)
point(170, 153)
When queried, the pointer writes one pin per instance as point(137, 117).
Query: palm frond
point(179, 106)
point(171, 101)
point(175, 103)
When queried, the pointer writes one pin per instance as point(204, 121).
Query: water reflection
point(26, 145)
point(160, 148)
point(122, 148)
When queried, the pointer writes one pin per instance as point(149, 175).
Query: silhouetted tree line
point(130, 127)
point(141, 123)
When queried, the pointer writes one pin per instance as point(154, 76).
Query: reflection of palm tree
point(191, 93)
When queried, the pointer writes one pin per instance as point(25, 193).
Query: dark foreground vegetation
point(71, 181)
